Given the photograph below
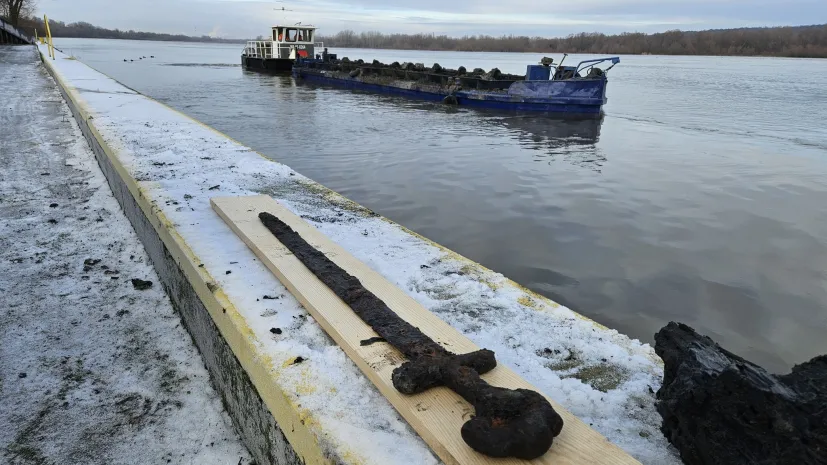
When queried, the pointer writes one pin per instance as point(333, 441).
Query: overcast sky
point(245, 18)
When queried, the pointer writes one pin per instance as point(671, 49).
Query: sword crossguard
point(507, 423)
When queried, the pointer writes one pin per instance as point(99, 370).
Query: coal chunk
point(141, 285)
point(719, 408)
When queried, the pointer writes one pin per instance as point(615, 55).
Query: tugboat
point(278, 54)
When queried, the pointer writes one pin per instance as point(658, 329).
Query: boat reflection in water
point(551, 140)
point(572, 141)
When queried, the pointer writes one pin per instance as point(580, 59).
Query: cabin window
point(281, 34)
point(305, 35)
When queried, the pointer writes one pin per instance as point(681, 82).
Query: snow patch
point(92, 370)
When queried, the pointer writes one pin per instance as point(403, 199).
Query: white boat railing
point(270, 49)
point(259, 49)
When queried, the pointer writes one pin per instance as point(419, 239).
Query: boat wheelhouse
point(277, 53)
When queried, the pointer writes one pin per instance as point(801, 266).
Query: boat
point(279, 52)
point(555, 90)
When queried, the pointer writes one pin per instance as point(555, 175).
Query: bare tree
point(16, 9)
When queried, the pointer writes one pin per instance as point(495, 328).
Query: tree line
point(792, 41)
point(86, 30)
point(789, 41)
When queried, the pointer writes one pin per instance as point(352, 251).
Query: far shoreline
point(242, 42)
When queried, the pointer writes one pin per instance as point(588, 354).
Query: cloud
point(249, 18)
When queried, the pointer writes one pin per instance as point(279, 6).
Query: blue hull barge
point(571, 91)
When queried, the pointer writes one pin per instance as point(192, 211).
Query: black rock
point(141, 285)
point(718, 408)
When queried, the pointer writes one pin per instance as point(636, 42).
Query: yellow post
point(49, 35)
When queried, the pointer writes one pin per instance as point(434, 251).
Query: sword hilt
point(507, 422)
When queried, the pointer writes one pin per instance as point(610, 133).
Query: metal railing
point(14, 32)
point(259, 49)
point(269, 49)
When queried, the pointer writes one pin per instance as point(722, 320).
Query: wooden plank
point(438, 414)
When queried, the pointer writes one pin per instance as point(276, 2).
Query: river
point(700, 197)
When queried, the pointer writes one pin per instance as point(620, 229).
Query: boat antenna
point(283, 11)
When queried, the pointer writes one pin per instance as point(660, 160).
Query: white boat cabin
point(286, 42)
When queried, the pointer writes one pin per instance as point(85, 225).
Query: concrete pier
point(93, 368)
point(163, 167)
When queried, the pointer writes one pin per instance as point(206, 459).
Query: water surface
point(700, 197)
